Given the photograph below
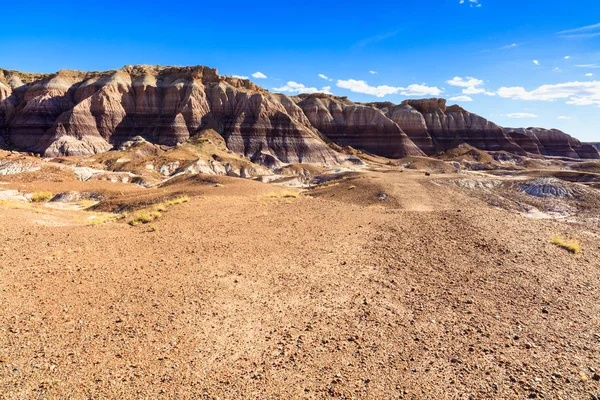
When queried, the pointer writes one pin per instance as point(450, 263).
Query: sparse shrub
point(352, 187)
point(290, 194)
point(39, 197)
point(153, 228)
point(143, 217)
point(161, 207)
point(285, 194)
point(178, 200)
point(573, 246)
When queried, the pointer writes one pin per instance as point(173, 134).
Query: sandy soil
point(427, 292)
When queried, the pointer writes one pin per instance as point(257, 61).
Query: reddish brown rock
point(82, 113)
point(553, 142)
point(411, 122)
point(527, 140)
point(360, 126)
point(595, 145)
point(449, 126)
point(74, 113)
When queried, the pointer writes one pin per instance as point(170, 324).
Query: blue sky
point(517, 63)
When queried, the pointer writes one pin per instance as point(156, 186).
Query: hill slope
point(83, 113)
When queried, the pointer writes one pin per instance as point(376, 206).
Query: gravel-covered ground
point(424, 293)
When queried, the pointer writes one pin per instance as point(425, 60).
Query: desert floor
point(379, 285)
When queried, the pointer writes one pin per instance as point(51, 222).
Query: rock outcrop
point(360, 126)
point(595, 145)
point(411, 122)
point(75, 113)
point(449, 126)
point(72, 113)
point(552, 142)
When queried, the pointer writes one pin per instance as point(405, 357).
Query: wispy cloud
point(472, 3)
point(373, 72)
point(536, 62)
point(259, 75)
point(563, 117)
point(464, 82)
point(507, 47)
point(576, 93)
point(375, 39)
point(461, 98)
point(358, 86)
point(589, 74)
point(583, 32)
point(323, 76)
point(470, 85)
point(588, 65)
point(520, 115)
point(295, 87)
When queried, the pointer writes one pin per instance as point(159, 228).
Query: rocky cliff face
point(74, 113)
point(360, 126)
point(83, 113)
point(449, 126)
point(411, 122)
point(551, 142)
point(595, 145)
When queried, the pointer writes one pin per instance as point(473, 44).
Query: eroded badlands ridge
point(83, 113)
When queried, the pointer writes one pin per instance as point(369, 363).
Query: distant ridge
point(81, 113)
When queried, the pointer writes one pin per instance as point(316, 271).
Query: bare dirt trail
point(237, 296)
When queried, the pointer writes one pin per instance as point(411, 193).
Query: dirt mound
point(73, 197)
point(547, 187)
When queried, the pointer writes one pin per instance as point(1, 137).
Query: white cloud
point(563, 117)
point(583, 32)
point(556, 69)
point(373, 72)
point(520, 115)
point(589, 74)
point(240, 76)
point(323, 76)
point(473, 90)
point(384, 90)
point(536, 62)
point(470, 85)
point(259, 75)
point(510, 46)
point(295, 87)
point(567, 57)
point(588, 65)
point(420, 90)
point(461, 98)
point(577, 93)
point(472, 3)
point(464, 82)
point(362, 87)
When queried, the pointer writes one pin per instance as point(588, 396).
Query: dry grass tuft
point(39, 197)
point(103, 218)
point(286, 194)
point(86, 203)
point(178, 200)
point(147, 216)
point(573, 246)
point(161, 207)
point(143, 217)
